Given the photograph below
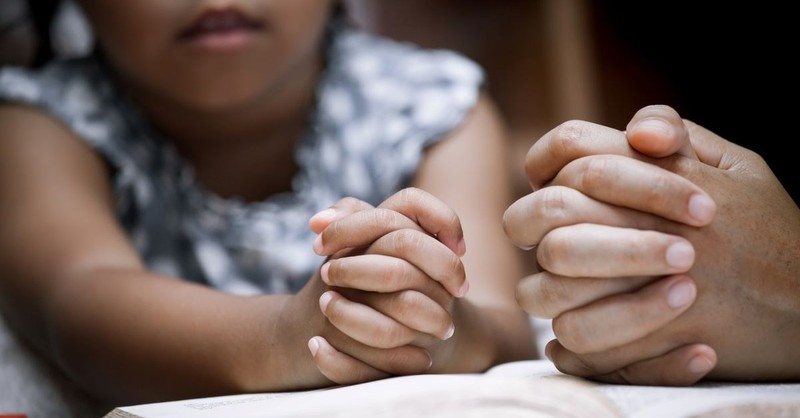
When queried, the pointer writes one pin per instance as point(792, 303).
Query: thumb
point(659, 131)
point(712, 149)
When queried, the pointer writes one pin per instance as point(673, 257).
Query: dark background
point(731, 68)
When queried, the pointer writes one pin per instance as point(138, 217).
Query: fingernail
point(547, 351)
point(655, 125)
point(701, 208)
point(323, 272)
point(430, 363)
point(680, 256)
point(464, 289)
point(450, 332)
point(324, 300)
point(313, 346)
point(680, 294)
point(699, 365)
point(318, 245)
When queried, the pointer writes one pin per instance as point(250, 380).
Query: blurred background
point(728, 67)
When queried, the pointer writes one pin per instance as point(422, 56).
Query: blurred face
point(210, 54)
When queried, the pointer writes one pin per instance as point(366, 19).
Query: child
point(154, 230)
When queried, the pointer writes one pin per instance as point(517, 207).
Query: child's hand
point(394, 278)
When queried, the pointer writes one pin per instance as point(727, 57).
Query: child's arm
point(72, 283)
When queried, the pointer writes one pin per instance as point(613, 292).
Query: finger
point(426, 253)
point(363, 323)
point(339, 367)
point(712, 149)
point(361, 229)
point(621, 319)
point(546, 295)
point(683, 366)
point(531, 217)
point(433, 215)
point(639, 185)
point(338, 210)
point(407, 359)
point(664, 363)
point(569, 141)
point(658, 131)
point(413, 309)
point(380, 273)
point(589, 250)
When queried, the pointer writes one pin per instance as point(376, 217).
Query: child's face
point(210, 55)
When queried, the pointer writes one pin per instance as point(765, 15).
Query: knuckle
point(551, 205)
point(348, 202)
point(412, 194)
point(392, 336)
point(410, 360)
point(595, 174)
point(570, 331)
point(551, 295)
point(382, 217)
point(552, 251)
point(568, 136)
point(402, 241)
point(409, 302)
point(581, 366)
point(660, 191)
point(395, 271)
point(528, 296)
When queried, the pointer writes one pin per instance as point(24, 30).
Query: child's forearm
point(129, 336)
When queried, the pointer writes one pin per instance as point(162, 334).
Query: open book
point(518, 389)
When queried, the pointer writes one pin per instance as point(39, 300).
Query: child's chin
point(221, 101)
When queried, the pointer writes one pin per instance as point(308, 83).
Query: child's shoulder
point(56, 77)
point(76, 93)
point(372, 57)
point(65, 89)
point(410, 91)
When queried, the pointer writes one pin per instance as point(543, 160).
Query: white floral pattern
point(380, 104)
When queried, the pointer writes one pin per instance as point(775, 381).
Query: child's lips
point(221, 29)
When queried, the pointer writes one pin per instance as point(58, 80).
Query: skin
point(667, 254)
point(73, 285)
point(418, 297)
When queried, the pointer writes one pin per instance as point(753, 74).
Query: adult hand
point(615, 231)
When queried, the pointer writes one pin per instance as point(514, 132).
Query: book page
point(705, 397)
point(703, 400)
point(441, 396)
point(526, 368)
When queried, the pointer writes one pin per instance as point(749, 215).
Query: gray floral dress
point(380, 103)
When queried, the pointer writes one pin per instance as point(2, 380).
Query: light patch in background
point(71, 34)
